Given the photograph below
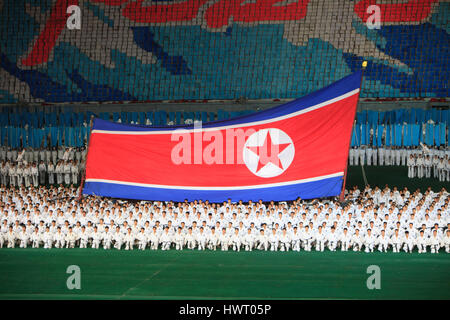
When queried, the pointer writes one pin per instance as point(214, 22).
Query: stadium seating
point(223, 49)
point(400, 127)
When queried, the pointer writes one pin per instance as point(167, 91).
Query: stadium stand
point(400, 127)
point(223, 49)
point(164, 63)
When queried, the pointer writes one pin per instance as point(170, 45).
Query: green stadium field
point(111, 274)
point(393, 176)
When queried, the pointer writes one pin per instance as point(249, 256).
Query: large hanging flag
point(298, 149)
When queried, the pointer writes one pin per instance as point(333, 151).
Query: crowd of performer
point(422, 162)
point(369, 220)
point(41, 166)
point(60, 165)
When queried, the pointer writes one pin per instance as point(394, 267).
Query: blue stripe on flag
point(308, 190)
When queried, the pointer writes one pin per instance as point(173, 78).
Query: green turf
point(392, 176)
point(112, 274)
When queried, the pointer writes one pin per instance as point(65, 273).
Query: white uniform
point(332, 240)
point(397, 242)
point(212, 241)
point(345, 240)
point(422, 243)
point(59, 173)
point(166, 240)
point(262, 242)
point(179, 240)
point(107, 239)
point(409, 243)
point(420, 167)
point(26, 176)
point(273, 241)
point(224, 239)
point(357, 242)
point(447, 171)
point(48, 156)
point(71, 238)
point(248, 241)
point(383, 242)
point(19, 176)
point(96, 239)
point(351, 156)
point(435, 242)
point(11, 239)
point(446, 242)
point(142, 240)
point(398, 157)
point(201, 239)
point(51, 173)
point(74, 171)
point(23, 238)
point(154, 240)
point(35, 175)
point(54, 156)
point(35, 239)
point(67, 173)
point(61, 152)
point(48, 240)
point(369, 242)
point(42, 170)
point(404, 156)
point(84, 238)
point(22, 157)
point(427, 165)
point(441, 170)
point(356, 156)
point(295, 241)
point(320, 240)
point(12, 176)
point(410, 163)
point(307, 239)
point(59, 239)
point(369, 156)
point(118, 239)
point(129, 240)
point(435, 162)
point(387, 156)
point(285, 242)
point(4, 175)
point(362, 156)
point(235, 240)
point(381, 154)
point(375, 156)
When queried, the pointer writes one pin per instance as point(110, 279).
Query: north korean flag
point(298, 149)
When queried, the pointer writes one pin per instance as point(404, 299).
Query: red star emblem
point(269, 152)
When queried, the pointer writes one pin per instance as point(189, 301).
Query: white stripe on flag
point(159, 186)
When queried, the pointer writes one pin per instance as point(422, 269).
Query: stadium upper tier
point(135, 50)
point(405, 127)
point(67, 118)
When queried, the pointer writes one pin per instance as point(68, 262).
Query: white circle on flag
point(268, 152)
